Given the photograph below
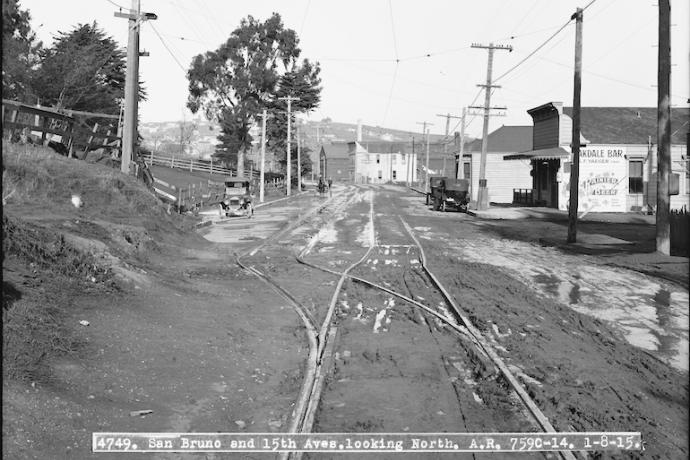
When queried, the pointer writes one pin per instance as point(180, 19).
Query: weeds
point(48, 251)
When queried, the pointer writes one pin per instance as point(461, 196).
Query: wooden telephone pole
point(459, 172)
point(289, 100)
point(575, 166)
point(299, 159)
point(426, 132)
point(483, 195)
point(131, 112)
point(445, 143)
point(264, 116)
point(663, 205)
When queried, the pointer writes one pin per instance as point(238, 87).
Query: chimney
point(359, 130)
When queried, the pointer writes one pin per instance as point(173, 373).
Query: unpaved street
point(289, 343)
point(598, 348)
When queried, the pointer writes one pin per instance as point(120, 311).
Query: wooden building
point(617, 161)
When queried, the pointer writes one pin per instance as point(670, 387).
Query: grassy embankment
point(53, 251)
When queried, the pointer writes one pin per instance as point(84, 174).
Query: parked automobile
point(237, 200)
point(434, 188)
point(453, 194)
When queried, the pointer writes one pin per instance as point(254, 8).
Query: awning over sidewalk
point(554, 153)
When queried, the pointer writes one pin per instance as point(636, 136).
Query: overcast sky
point(358, 42)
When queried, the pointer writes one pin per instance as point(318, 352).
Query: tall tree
point(243, 76)
point(83, 70)
point(302, 82)
point(19, 52)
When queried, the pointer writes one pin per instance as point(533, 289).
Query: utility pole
point(462, 144)
point(575, 142)
point(264, 115)
point(483, 195)
point(663, 207)
point(289, 100)
point(425, 131)
point(299, 160)
point(447, 116)
point(129, 134)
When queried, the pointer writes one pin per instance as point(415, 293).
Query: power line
point(542, 45)
point(395, 40)
point(535, 51)
point(169, 51)
point(304, 17)
point(390, 94)
point(117, 5)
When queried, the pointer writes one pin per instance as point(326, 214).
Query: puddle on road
point(651, 313)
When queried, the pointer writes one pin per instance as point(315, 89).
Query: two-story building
point(618, 162)
point(382, 162)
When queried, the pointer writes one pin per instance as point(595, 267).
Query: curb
point(266, 203)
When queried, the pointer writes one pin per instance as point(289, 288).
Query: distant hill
point(165, 136)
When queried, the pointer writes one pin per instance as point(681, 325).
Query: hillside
point(165, 136)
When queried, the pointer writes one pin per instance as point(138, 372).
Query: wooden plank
point(35, 128)
point(63, 113)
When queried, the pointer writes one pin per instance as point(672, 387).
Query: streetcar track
point(322, 342)
point(468, 331)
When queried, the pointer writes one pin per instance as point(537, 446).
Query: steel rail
point(468, 330)
point(514, 383)
point(299, 410)
point(327, 332)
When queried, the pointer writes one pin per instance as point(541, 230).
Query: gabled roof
point(505, 139)
point(337, 150)
point(628, 125)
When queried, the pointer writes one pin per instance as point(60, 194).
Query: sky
point(399, 63)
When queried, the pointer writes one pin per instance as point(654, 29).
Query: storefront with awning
point(617, 166)
point(546, 164)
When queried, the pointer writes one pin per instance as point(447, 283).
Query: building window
point(380, 174)
point(465, 170)
point(635, 184)
point(395, 175)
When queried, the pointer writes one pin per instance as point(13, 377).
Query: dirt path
point(209, 347)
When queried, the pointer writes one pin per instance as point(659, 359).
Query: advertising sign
point(603, 179)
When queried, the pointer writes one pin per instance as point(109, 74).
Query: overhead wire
point(397, 63)
point(304, 17)
point(165, 45)
point(117, 5)
point(542, 44)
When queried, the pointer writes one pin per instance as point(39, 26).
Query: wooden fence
point(75, 136)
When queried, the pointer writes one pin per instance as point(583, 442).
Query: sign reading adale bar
point(603, 179)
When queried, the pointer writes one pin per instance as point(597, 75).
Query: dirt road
point(210, 347)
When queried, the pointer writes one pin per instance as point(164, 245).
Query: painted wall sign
point(603, 180)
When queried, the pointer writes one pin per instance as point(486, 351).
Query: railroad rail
point(321, 338)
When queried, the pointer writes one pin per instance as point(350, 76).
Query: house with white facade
point(618, 158)
point(382, 162)
point(502, 177)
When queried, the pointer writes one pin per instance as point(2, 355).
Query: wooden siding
point(501, 176)
point(545, 134)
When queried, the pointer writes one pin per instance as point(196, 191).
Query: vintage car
point(453, 194)
point(237, 200)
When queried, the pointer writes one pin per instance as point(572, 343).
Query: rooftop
point(628, 125)
point(505, 139)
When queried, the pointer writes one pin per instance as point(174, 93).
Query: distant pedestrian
point(330, 183)
point(322, 186)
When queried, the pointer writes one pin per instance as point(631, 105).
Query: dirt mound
point(70, 227)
